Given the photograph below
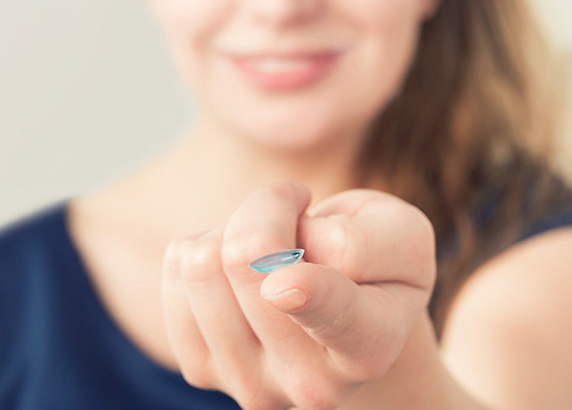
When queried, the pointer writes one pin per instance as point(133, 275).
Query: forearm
point(418, 380)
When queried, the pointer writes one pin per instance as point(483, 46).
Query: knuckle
point(237, 251)
point(198, 376)
point(250, 388)
point(371, 368)
point(316, 393)
point(274, 192)
point(240, 378)
point(340, 253)
point(171, 261)
point(250, 396)
point(186, 246)
point(258, 405)
point(171, 249)
point(197, 260)
point(348, 244)
point(279, 191)
point(196, 255)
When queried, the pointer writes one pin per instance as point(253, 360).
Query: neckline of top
point(93, 298)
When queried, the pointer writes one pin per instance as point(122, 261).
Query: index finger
point(266, 222)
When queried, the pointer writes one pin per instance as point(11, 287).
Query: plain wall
point(88, 93)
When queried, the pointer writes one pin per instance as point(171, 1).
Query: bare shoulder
point(508, 337)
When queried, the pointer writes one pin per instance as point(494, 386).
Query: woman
point(436, 237)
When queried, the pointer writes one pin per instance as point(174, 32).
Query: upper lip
point(284, 54)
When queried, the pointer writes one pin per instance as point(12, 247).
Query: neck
point(209, 172)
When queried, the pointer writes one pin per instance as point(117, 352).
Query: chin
point(302, 139)
point(287, 132)
point(301, 121)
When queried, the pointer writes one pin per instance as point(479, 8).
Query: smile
point(285, 73)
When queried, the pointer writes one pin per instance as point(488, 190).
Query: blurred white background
point(87, 93)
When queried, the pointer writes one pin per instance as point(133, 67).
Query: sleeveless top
point(60, 349)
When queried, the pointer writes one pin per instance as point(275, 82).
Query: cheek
point(381, 13)
point(187, 26)
point(390, 31)
point(180, 14)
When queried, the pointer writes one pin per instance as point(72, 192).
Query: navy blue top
point(59, 349)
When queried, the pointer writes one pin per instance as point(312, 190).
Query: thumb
point(361, 326)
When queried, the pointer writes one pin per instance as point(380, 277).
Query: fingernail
point(287, 300)
point(273, 261)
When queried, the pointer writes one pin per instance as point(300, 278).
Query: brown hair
point(469, 138)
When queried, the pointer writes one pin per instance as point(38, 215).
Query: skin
point(307, 358)
point(180, 232)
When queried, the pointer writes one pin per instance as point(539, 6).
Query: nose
point(282, 12)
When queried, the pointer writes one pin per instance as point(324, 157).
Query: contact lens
point(273, 261)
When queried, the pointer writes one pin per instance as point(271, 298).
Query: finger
point(184, 337)
point(265, 223)
point(371, 236)
point(235, 349)
point(376, 239)
point(363, 327)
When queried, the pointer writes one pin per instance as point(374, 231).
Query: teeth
point(271, 65)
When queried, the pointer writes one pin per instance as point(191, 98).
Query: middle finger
point(219, 318)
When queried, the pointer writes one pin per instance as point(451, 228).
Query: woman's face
point(292, 71)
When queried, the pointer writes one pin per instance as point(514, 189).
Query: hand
point(366, 276)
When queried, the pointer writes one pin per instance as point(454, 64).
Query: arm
point(418, 380)
point(507, 343)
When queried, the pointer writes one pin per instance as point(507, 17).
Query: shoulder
point(28, 257)
point(27, 249)
point(30, 244)
point(29, 235)
point(507, 334)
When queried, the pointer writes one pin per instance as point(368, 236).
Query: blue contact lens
point(273, 261)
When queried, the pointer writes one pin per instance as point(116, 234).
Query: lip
point(283, 54)
point(313, 66)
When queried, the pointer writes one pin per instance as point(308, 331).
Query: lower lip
point(288, 80)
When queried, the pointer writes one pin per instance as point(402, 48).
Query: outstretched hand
point(346, 309)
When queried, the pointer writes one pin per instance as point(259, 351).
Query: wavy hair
point(469, 138)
